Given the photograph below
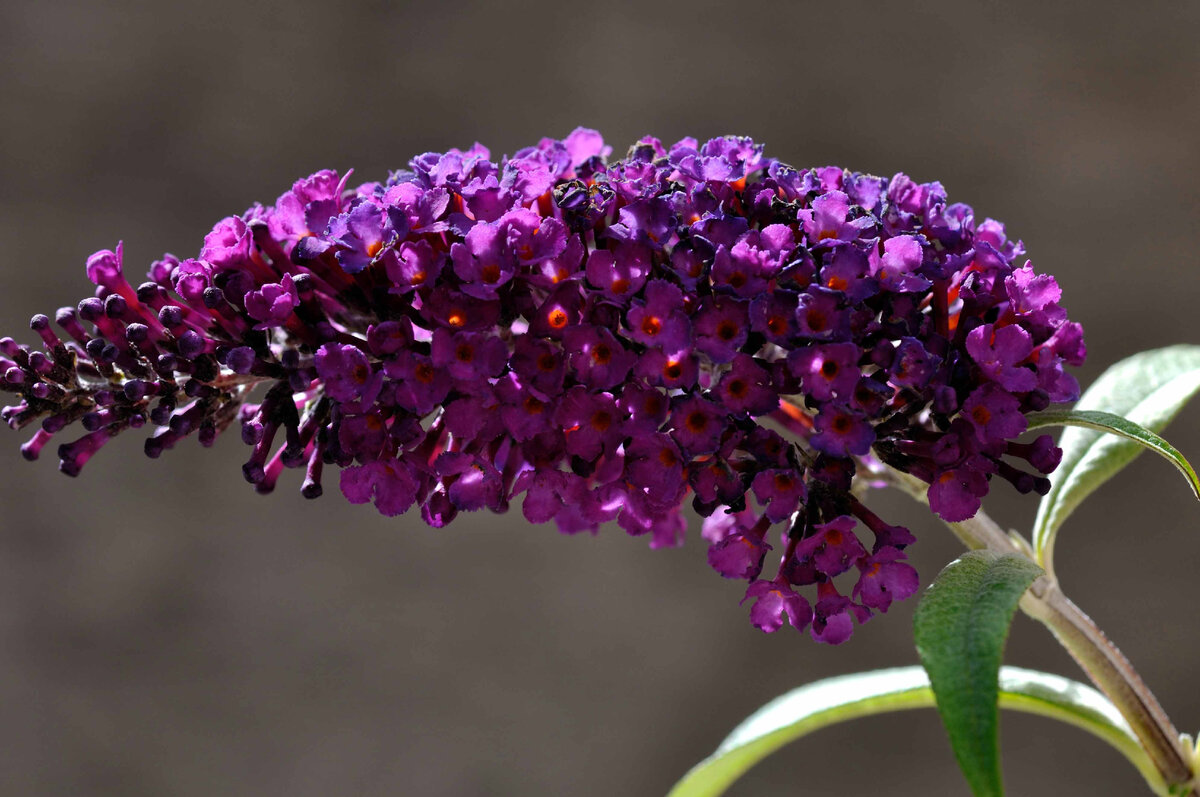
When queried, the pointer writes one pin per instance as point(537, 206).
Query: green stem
point(1103, 662)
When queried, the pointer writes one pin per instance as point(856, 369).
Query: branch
point(1103, 662)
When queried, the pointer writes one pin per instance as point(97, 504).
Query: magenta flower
point(597, 340)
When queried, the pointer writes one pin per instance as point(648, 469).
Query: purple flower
point(842, 432)
point(826, 371)
point(833, 547)
point(1030, 292)
point(228, 245)
point(598, 360)
point(994, 413)
point(473, 482)
point(697, 425)
point(346, 372)
point(833, 616)
point(659, 320)
point(746, 388)
point(775, 600)
point(955, 495)
point(721, 328)
point(819, 317)
point(592, 421)
point(619, 272)
point(739, 555)
point(1000, 352)
point(896, 265)
point(272, 304)
point(780, 490)
point(468, 357)
point(412, 266)
point(654, 465)
point(361, 234)
point(884, 578)
point(598, 340)
point(390, 484)
point(827, 223)
point(307, 208)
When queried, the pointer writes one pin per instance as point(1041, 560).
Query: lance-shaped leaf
point(960, 628)
point(1147, 389)
point(823, 703)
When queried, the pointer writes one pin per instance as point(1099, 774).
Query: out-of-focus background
point(164, 631)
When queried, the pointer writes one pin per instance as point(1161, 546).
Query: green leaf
point(818, 705)
point(1122, 427)
point(960, 628)
point(1147, 389)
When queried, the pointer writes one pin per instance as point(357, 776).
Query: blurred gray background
point(164, 631)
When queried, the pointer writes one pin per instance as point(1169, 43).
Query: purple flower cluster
point(598, 340)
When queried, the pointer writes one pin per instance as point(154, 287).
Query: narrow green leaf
point(960, 628)
point(1148, 389)
point(818, 705)
point(1122, 427)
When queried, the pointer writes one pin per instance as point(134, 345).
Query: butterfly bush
point(600, 341)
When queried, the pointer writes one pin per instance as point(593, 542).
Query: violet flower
point(597, 341)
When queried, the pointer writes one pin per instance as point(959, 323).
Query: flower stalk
point(1103, 662)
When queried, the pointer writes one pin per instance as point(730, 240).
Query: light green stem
point(1103, 662)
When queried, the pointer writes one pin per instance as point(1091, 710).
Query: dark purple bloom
point(228, 245)
point(660, 321)
point(955, 495)
point(1000, 352)
point(599, 340)
point(421, 386)
point(649, 221)
point(1030, 292)
point(842, 432)
point(361, 234)
point(746, 389)
point(834, 614)
point(896, 266)
point(826, 371)
point(773, 315)
point(780, 490)
point(740, 554)
point(389, 483)
point(592, 422)
point(828, 222)
point(672, 370)
point(775, 600)
point(307, 208)
point(526, 412)
point(272, 304)
point(819, 317)
point(994, 413)
point(619, 272)
point(721, 327)
point(468, 357)
point(697, 425)
point(413, 265)
point(346, 372)
point(598, 359)
point(646, 408)
point(473, 482)
point(833, 547)
point(884, 578)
